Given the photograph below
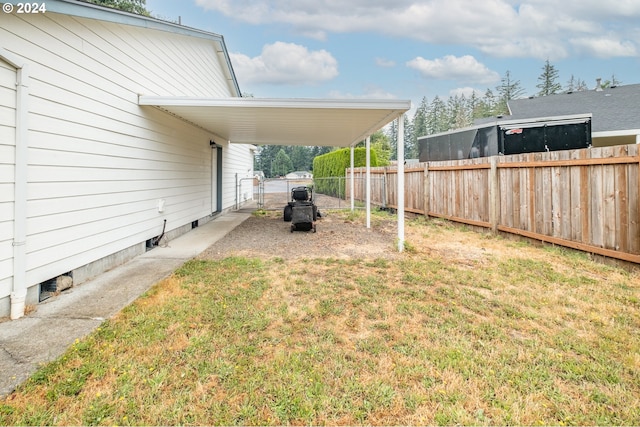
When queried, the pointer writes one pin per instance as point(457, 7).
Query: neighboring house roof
point(613, 109)
point(300, 173)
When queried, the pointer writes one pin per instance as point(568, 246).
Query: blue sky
point(410, 49)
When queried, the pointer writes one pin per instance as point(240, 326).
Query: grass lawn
point(538, 336)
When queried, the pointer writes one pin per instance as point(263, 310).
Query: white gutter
point(287, 103)
point(400, 156)
point(19, 288)
point(614, 133)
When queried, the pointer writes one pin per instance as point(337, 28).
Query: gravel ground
point(343, 235)
point(336, 237)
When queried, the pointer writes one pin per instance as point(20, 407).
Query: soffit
point(305, 122)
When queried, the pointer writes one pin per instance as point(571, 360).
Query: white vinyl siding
point(7, 173)
point(98, 162)
point(238, 164)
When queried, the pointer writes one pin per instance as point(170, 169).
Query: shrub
point(334, 165)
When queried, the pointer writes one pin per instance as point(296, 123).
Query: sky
point(411, 49)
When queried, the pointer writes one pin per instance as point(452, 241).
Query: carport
point(304, 122)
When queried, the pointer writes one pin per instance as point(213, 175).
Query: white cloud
point(463, 69)
point(371, 92)
point(285, 63)
point(603, 47)
point(385, 63)
point(530, 28)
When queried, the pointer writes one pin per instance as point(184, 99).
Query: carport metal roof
point(305, 122)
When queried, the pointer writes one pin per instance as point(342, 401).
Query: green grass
point(538, 340)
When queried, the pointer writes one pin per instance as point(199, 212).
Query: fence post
point(426, 190)
point(384, 188)
point(494, 194)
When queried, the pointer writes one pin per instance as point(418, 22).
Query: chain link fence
point(328, 193)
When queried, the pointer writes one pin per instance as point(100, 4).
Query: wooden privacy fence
point(584, 199)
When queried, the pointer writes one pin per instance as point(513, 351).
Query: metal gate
point(245, 190)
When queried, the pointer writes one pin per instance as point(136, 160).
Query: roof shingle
point(613, 109)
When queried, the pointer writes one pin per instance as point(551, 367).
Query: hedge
point(333, 165)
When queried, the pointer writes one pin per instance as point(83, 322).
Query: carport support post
point(400, 145)
point(352, 184)
point(368, 179)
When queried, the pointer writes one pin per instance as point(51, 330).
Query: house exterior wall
point(609, 141)
point(238, 176)
point(98, 163)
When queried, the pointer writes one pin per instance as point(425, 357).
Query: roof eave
point(356, 104)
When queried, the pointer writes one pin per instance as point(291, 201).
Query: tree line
point(438, 115)
point(459, 111)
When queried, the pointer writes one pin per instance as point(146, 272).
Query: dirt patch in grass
point(344, 235)
point(338, 235)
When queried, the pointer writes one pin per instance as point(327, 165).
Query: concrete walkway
point(45, 334)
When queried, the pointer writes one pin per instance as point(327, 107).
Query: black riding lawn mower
point(301, 211)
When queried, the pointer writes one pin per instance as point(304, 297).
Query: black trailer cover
point(508, 137)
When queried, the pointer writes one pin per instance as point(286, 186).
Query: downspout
point(19, 289)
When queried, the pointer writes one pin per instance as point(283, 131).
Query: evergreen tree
point(301, 158)
point(419, 127)
point(282, 164)
point(437, 117)
point(474, 104)
point(380, 144)
point(263, 161)
point(581, 85)
point(133, 6)
point(392, 135)
point(459, 112)
point(613, 82)
point(575, 85)
point(409, 144)
point(548, 80)
point(392, 138)
point(318, 151)
point(509, 89)
point(487, 106)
